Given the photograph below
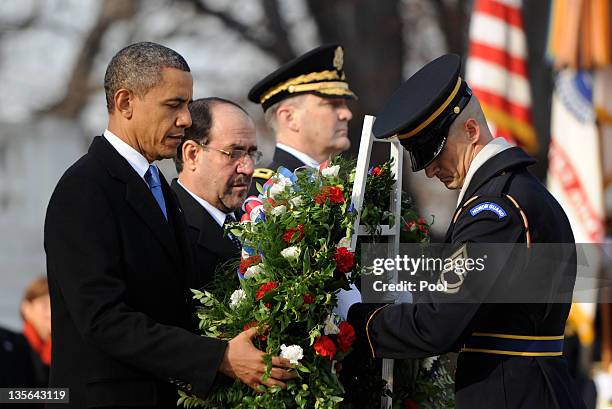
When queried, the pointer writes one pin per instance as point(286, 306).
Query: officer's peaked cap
point(421, 111)
point(319, 72)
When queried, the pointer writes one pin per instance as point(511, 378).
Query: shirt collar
point(307, 160)
point(134, 158)
point(216, 214)
point(491, 149)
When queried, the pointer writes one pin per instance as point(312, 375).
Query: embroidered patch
point(453, 275)
point(490, 206)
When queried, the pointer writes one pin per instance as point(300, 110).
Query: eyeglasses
point(236, 155)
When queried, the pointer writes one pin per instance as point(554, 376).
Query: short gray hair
point(471, 110)
point(270, 114)
point(138, 68)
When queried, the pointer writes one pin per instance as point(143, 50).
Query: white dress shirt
point(134, 158)
point(307, 160)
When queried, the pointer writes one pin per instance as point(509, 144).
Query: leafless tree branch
point(279, 48)
point(77, 93)
point(453, 17)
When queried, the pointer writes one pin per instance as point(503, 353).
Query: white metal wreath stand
point(363, 162)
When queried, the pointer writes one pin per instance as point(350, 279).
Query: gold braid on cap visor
point(315, 81)
point(433, 116)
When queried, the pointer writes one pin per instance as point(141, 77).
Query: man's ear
point(189, 151)
point(472, 129)
point(286, 116)
point(124, 103)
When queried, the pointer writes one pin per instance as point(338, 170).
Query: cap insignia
point(338, 58)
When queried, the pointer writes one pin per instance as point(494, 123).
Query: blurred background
point(541, 69)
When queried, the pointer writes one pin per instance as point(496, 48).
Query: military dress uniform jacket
point(211, 248)
point(281, 158)
point(523, 211)
point(119, 278)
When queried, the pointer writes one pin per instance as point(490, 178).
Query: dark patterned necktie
point(231, 219)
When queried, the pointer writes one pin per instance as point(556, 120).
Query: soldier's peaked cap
point(318, 72)
point(421, 111)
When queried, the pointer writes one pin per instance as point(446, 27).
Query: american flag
point(497, 70)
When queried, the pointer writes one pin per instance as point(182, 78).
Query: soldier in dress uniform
point(510, 354)
point(304, 103)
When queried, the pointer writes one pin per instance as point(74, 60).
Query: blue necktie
point(152, 179)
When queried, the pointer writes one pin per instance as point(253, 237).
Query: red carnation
point(321, 197)
point(376, 171)
point(289, 234)
point(252, 324)
point(345, 259)
point(249, 325)
point(324, 346)
point(308, 298)
point(264, 289)
point(335, 195)
point(245, 263)
point(346, 336)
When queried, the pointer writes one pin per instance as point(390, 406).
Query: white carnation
point(292, 352)
point(331, 171)
point(428, 362)
point(236, 298)
point(279, 186)
point(291, 253)
point(296, 201)
point(278, 210)
point(330, 326)
point(253, 271)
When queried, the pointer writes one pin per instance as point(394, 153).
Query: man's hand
point(245, 362)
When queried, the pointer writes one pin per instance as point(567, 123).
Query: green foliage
point(290, 297)
point(430, 387)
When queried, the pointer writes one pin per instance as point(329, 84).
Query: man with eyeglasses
point(215, 163)
point(305, 106)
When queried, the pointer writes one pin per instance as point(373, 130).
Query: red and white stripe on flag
point(497, 70)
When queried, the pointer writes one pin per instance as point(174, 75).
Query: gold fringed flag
point(497, 70)
point(579, 33)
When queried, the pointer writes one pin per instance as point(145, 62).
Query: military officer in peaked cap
point(510, 354)
point(304, 103)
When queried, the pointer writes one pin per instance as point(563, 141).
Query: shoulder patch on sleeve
point(263, 173)
point(488, 206)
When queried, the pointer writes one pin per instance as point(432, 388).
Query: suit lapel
point(138, 195)
point(210, 233)
point(211, 236)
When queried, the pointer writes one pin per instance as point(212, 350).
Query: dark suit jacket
point(119, 275)
point(210, 248)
